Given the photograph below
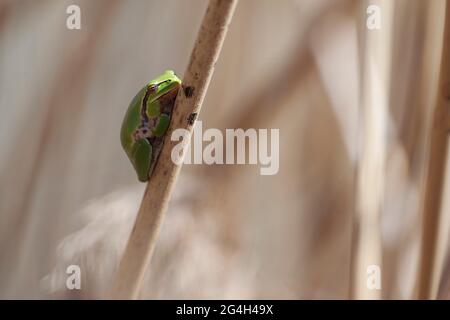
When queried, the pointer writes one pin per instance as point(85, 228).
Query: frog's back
point(132, 120)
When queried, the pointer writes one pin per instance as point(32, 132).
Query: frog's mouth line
point(144, 117)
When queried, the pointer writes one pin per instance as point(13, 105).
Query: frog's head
point(168, 82)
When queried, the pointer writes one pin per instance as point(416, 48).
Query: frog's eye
point(152, 88)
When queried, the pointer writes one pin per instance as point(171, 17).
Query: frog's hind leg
point(142, 158)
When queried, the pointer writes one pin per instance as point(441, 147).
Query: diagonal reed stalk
point(142, 240)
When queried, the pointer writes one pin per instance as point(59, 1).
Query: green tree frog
point(146, 122)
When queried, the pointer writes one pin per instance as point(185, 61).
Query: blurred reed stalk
point(375, 53)
point(46, 125)
point(286, 80)
point(258, 110)
point(142, 241)
point(434, 244)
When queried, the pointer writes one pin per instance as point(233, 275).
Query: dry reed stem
point(432, 249)
point(159, 188)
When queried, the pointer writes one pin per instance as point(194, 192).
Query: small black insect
point(189, 91)
point(191, 118)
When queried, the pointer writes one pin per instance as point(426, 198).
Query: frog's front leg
point(161, 125)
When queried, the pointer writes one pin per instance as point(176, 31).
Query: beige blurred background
point(68, 194)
